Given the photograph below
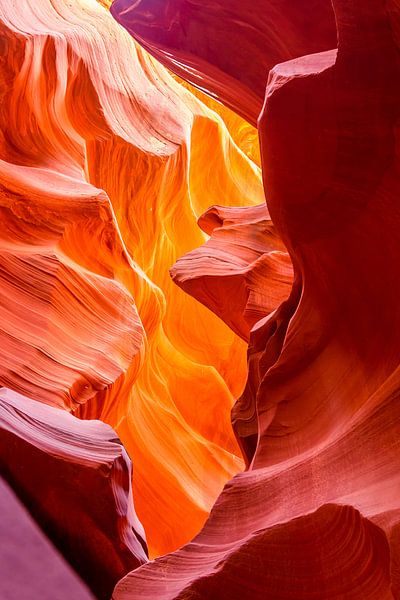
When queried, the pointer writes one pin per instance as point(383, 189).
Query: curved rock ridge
point(226, 47)
point(244, 134)
point(66, 331)
point(105, 169)
point(318, 421)
point(242, 273)
point(333, 158)
point(75, 477)
point(279, 499)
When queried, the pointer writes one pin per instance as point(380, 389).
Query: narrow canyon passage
point(199, 317)
point(113, 169)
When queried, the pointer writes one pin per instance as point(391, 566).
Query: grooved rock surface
point(356, 471)
point(227, 47)
point(67, 332)
point(317, 512)
point(108, 168)
point(243, 272)
point(75, 477)
point(104, 170)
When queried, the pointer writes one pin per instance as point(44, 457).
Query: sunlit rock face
point(106, 163)
point(140, 260)
point(227, 47)
point(243, 272)
point(316, 514)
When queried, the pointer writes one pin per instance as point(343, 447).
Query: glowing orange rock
point(105, 170)
point(319, 419)
point(66, 332)
point(103, 184)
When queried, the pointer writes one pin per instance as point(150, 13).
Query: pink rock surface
point(317, 513)
point(356, 471)
point(74, 476)
point(30, 566)
point(243, 272)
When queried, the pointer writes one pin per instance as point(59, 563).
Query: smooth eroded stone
point(319, 420)
point(75, 479)
point(243, 272)
point(30, 567)
point(104, 170)
point(227, 47)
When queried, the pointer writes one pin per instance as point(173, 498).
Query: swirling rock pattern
point(52, 345)
point(103, 181)
point(226, 46)
point(105, 168)
point(318, 421)
point(258, 500)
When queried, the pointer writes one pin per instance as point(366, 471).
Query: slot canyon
point(199, 348)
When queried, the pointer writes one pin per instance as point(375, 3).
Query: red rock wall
point(228, 47)
point(318, 420)
point(104, 168)
point(75, 478)
point(114, 173)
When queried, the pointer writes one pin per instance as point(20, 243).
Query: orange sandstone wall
point(106, 164)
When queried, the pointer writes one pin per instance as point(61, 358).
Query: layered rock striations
point(316, 513)
point(227, 47)
point(243, 272)
point(105, 168)
point(114, 172)
point(67, 331)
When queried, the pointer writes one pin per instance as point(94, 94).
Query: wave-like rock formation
point(75, 477)
point(243, 272)
point(104, 170)
point(66, 331)
point(108, 168)
point(317, 512)
point(227, 47)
